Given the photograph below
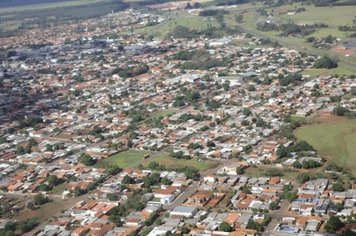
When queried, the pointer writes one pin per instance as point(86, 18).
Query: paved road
point(191, 189)
point(277, 215)
point(195, 185)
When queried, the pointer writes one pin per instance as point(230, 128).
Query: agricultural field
point(334, 138)
point(132, 158)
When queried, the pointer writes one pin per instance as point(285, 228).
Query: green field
point(335, 139)
point(132, 158)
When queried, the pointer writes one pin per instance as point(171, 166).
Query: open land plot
point(172, 163)
point(191, 22)
point(163, 113)
point(335, 138)
point(261, 171)
point(132, 158)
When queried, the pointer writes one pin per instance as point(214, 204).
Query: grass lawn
point(335, 139)
point(132, 158)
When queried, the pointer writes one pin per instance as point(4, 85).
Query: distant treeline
point(149, 2)
point(231, 2)
point(290, 29)
point(212, 12)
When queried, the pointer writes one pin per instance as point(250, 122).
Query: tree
point(253, 225)
point(191, 173)
point(325, 62)
point(251, 88)
point(20, 150)
point(151, 219)
point(115, 219)
point(290, 196)
point(127, 180)
point(53, 180)
point(153, 165)
point(310, 164)
point(30, 205)
point(113, 170)
point(302, 178)
point(112, 196)
point(32, 142)
point(273, 206)
point(87, 160)
point(333, 224)
point(302, 146)
point(349, 233)
point(226, 227)
point(246, 111)
point(338, 187)
point(44, 187)
point(39, 199)
point(239, 18)
point(78, 191)
point(166, 181)
point(297, 165)
point(247, 149)
point(282, 151)
point(151, 180)
point(340, 111)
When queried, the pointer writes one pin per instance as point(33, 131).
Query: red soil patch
point(344, 51)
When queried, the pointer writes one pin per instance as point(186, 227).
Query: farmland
point(334, 138)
